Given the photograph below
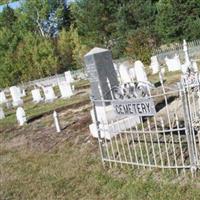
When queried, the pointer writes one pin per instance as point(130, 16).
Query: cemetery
point(99, 100)
point(131, 127)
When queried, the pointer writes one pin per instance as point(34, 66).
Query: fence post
point(56, 121)
point(100, 141)
point(189, 129)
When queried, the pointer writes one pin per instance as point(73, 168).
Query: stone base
point(110, 130)
point(105, 114)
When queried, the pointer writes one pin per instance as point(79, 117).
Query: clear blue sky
point(12, 5)
point(17, 4)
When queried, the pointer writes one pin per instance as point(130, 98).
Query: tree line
point(45, 37)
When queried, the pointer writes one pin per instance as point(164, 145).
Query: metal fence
point(168, 139)
point(193, 50)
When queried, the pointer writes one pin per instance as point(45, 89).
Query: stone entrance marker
point(103, 77)
point(100, 68)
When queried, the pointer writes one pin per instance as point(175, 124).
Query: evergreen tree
point(178, 19)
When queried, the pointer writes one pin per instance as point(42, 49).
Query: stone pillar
point(99, 67)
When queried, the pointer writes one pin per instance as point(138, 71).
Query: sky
point(12, 5)
point(17, 4)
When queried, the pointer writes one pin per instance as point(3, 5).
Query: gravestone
point(36, 95)
point(68, 77)
point(132, 74)
point(140, 74)
point(155, 66)
point(65, 89)
point(16, 96)
point(194, 66)
point(2, 115)
point(173, 64)
point(49, 94)
point(124, 73)
point(99, 67)
point(21, 116)
point(2, 97)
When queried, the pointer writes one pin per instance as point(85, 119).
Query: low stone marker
point(173, 64)
point(36, 96)
point(16, 96)
point(49, 94)
point(65, 89)
point(68, 77)
point(124, 73)
point(155, 66)
point(2, 97)
point(132, 74)
point(140, 73)
point(2, 115)
point(21, 116)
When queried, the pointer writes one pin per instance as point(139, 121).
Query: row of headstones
point(128, 72)
point(174, 64)
point(65, 89)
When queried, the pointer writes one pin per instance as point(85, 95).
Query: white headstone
point(49, 93)
point(141, 75)
point(173, 64)
point(132, 74)
point(36, 95)
point(124, 73)
point(21, 116)
point(68, 77)
point(65, 89)
point(2, 97)
point(2, 115)
point(195, 67)
point(155, 66)
point(16, 96)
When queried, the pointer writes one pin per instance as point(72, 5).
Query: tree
point(108, 23)
point(7, 17)
point(35, 58)
point(64, 50)
point(178, 20)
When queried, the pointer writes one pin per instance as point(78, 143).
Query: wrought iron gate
point(169, 139)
